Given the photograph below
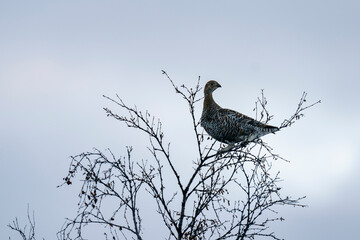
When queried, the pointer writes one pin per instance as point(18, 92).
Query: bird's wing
point(247, 125)
point(237, 119)
point(234, 124)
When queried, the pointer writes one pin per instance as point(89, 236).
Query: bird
point(228, 126)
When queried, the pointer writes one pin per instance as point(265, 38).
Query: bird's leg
point(244, 143)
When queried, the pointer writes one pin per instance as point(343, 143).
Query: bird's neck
point(209, 103)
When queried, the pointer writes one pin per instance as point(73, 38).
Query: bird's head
point(211, 86)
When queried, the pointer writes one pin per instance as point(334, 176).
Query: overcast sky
point(57, 59)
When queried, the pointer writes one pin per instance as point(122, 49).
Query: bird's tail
point(271, 129)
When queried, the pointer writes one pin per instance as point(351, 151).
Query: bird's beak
point(219, 85)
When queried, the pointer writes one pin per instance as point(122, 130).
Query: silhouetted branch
point(298, 112)
point(105, 178)
point(26, 234)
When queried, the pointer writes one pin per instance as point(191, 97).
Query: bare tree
point(28, 231)
point(230, 194)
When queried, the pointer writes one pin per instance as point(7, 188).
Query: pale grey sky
point(57, 58)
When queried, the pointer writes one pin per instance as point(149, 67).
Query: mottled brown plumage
point(229, 126)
